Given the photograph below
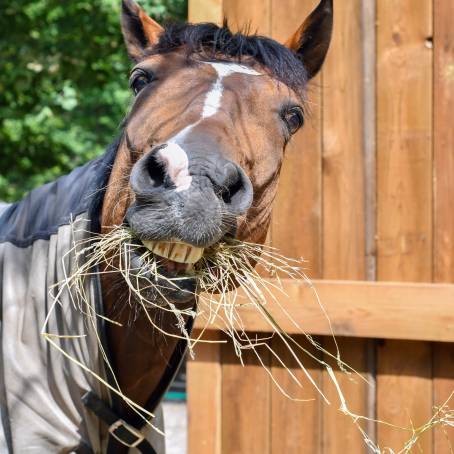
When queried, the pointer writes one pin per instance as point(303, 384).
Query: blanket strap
point(119, 429)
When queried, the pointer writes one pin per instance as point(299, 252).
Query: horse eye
point(294, 119)
point(139, 80)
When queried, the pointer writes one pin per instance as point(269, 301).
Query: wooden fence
point(366, 197)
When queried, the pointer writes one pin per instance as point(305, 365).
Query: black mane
point(219, 43)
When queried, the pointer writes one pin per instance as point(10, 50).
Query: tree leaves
point(63, 85)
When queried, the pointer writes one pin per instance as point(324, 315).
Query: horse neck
point(140, 352)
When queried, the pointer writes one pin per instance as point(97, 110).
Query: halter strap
point(119, 429)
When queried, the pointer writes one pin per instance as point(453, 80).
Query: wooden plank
point(393, 310)
point(343, 185)
point(343, 190)
point(443, 385)
point(344, 433)
point(245, 402)
point(443, 373)
point(295, 425)
point(205, 11)
point(404, 392)
point(404, 203)
point(296, 223)
point(204, 398)
point(404, 161)
point(443, 141)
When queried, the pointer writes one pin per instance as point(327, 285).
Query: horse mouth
point(175, 256)
point(173, 277)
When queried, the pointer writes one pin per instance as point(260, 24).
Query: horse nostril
point(236, 189)
point(155, 170)
point(148, 174)
point(231, 188)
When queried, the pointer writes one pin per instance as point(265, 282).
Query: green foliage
point(63, 85)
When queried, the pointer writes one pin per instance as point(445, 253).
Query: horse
point(197, 161)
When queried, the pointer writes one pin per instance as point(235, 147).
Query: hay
point(220, 269)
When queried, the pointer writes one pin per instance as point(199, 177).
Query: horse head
point(204, 141)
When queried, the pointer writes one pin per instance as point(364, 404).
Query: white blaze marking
point(176, 163)
point(173, 155)
point(213, 97)
point(213, 100)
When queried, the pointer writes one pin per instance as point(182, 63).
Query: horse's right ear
point(139, 30)
point(311, 41)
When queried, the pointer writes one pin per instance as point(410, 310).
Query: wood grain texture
point(404, 159)
point(343, 435)
point(391, 310)
point(205, 11)
point(246, 403)
point(343, 185)
point(295, 426)
point(443, 141)
point(404, 390)
point(204, 398)
point(404, 203)
point(443, 355)
point(343, 196)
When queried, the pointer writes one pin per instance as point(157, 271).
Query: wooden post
point(246, 406)
point(204, 387)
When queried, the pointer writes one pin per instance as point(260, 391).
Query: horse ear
point(311, 40)
point(139, 30)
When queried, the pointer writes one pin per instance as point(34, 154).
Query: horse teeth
point(162, 249)
point(194, 254)
point(177, 252)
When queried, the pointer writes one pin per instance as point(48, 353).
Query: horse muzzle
point(188, 198)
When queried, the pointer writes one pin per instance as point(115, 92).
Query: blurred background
point(63, 85)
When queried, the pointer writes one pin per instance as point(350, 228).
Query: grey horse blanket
point(41, 390)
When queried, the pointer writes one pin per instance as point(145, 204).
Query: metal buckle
point(132, 430)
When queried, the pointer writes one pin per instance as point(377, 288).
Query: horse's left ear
point(311, 40)
point(139, 30)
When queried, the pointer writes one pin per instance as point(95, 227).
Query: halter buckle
point(126, 434)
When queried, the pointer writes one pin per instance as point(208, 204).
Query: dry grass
point(221, 268)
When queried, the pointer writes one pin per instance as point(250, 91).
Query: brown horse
point(204, 144)
point(197, 163)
